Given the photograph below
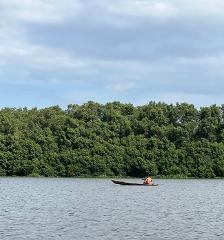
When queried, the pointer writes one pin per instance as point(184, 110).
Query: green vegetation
point(113, 140)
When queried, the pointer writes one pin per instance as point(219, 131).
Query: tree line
point(113, 139)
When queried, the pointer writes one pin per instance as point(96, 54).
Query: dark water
point(33, 208)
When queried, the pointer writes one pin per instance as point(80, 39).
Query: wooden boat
point(133, 184)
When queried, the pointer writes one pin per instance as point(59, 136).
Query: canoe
point(133, 184)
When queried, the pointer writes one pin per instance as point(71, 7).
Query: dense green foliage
point(113, 140)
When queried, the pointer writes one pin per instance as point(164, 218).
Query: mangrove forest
point(113, 139)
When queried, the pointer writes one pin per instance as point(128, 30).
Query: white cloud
point(127, 59)
point(142, 9)
point(212, 65)
point(108, 11)
point(39, 11)
point(121, 86)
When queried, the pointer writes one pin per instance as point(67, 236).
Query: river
point(97, 209)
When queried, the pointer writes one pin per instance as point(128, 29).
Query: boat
point(133, 184)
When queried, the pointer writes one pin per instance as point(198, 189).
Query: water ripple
point(36, 208)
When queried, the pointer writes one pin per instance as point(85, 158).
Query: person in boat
point(148, 181)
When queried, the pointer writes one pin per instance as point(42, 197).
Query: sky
point(55, 52)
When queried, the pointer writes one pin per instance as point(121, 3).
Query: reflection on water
point(44, 208)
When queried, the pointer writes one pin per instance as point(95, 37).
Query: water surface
point(53, 208)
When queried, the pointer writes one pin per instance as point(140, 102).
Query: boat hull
point(133, 184)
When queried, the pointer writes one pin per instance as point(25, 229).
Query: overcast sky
point(55, 52)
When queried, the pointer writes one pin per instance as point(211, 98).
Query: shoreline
point(116, 177)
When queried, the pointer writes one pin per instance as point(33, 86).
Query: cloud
point(39, 11)
point(125, 50)
point(121, 86)
point(132, 11)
